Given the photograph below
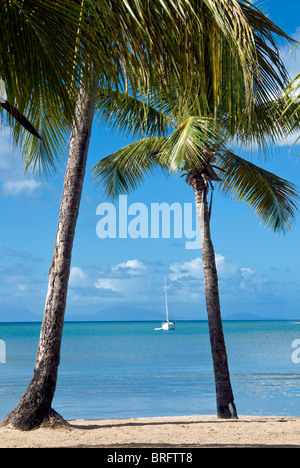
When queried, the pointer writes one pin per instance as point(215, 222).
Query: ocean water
point(123, 370)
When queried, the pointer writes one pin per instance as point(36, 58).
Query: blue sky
point(259, 271)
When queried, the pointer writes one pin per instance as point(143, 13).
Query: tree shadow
point(94, 425)
point(106, 425)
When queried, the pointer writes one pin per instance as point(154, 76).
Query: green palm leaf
point(271, 74)
point(41, 61)
point(273, 199)
point(130, 114)
point(186, 148)
point(188, 144)
point(271, 122)
point(125, 169)
point(291, 112)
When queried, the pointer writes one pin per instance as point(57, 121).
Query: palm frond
point(291, 112)
point(44, 156)
point(40, 68)
point(130, 114)
point(273, 199)
point(230, 18)
point(187, 145)
point(125, 169)
point(271, 74)
point(270, 123)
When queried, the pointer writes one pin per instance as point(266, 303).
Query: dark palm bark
point(225, 401)
point(34, 408)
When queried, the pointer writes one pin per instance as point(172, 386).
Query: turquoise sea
point(127, 369)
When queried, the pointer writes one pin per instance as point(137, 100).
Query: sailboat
point(167, 324)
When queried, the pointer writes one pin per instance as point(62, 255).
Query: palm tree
point(44, 46)
point(143, 46)
point(120, 44)
point(196, 149)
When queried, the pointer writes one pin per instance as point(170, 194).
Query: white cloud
point(111, 284)
point(192, 269)
point(125, 281)
point(123, 290)
point(136, 282)
point(20, 186)
point(105, 283)
point(77, 277)
point(226, 268)
point(133, 281)
point(247, 273)
point(132, 267)
point(188, 279)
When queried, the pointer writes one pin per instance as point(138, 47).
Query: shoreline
point(165, 432)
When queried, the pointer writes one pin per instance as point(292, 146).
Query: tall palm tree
point(196, 149)
point(44, 48)
point(143, 45)
point(136, 44)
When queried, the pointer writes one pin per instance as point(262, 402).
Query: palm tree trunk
point(34, 408)
point(225, 402)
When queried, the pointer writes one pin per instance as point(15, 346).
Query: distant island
point(125, 314)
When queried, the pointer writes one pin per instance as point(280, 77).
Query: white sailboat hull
point(168, 326)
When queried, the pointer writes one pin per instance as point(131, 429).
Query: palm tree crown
point(190, 136)
point(195, 148)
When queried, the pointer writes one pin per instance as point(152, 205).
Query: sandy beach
point(167, 432)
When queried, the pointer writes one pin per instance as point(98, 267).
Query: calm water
point(121, 370)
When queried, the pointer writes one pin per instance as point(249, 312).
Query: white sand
point(170, 432)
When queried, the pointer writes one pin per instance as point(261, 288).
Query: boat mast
point(167, 310)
